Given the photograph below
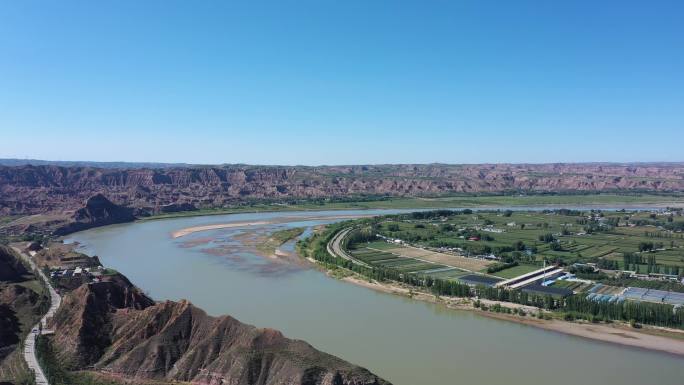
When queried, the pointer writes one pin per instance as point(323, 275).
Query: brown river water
point(405, 341)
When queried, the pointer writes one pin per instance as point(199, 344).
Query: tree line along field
point(383, 263)
point(437, 202)
point(624, 240)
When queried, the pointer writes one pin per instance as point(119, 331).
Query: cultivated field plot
point(451, 274)
point(547, 290)
point(515, 271)
point(372, 256)
point(575, 286)
point(380, 245)
point(470, 264)
point(530, 236)
point(606, 289)
point(476, 279)
point(399, 263)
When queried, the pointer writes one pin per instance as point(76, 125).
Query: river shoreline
point(615, 333)
point(195, 229)
point(404, 341)
point(516, 206)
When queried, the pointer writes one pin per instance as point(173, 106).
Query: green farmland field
point(515, 271)
point(553, 235)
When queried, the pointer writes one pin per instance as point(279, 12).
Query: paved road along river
point(41, 327)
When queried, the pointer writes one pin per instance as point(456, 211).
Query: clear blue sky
point(342, 82)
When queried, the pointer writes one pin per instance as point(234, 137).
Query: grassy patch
point(515, 271)
point(285, 235)
point(18, 317)
point(277, 238)
point(109, 271)
point(57, 374)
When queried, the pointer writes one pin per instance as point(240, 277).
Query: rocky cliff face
point(84, 320)
point(37, 189)
point(113, 328)
point(98, 211)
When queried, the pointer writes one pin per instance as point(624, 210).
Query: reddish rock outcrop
point(98, 211)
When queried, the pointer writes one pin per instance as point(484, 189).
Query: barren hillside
point(113, 328)
point(37, 189)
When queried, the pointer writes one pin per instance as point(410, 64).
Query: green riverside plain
point(648, 242)
point(604, 200)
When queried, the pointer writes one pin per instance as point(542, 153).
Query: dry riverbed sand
point(195, 229)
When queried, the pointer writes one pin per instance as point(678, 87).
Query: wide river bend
point(405, 341)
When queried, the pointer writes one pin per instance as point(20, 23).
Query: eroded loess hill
point(112, 328)
point(96, 211)
point(38, 189)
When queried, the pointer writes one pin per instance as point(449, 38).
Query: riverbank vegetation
point(278, 238)
point(644, 242)
point(512, 199)
point(614, 231)
point(282, 236)
point(23, 300)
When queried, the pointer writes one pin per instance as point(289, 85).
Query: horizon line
point(18, 162)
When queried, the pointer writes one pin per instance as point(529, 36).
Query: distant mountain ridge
point(39, 189)
point(13, 162)
point(98, 211)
